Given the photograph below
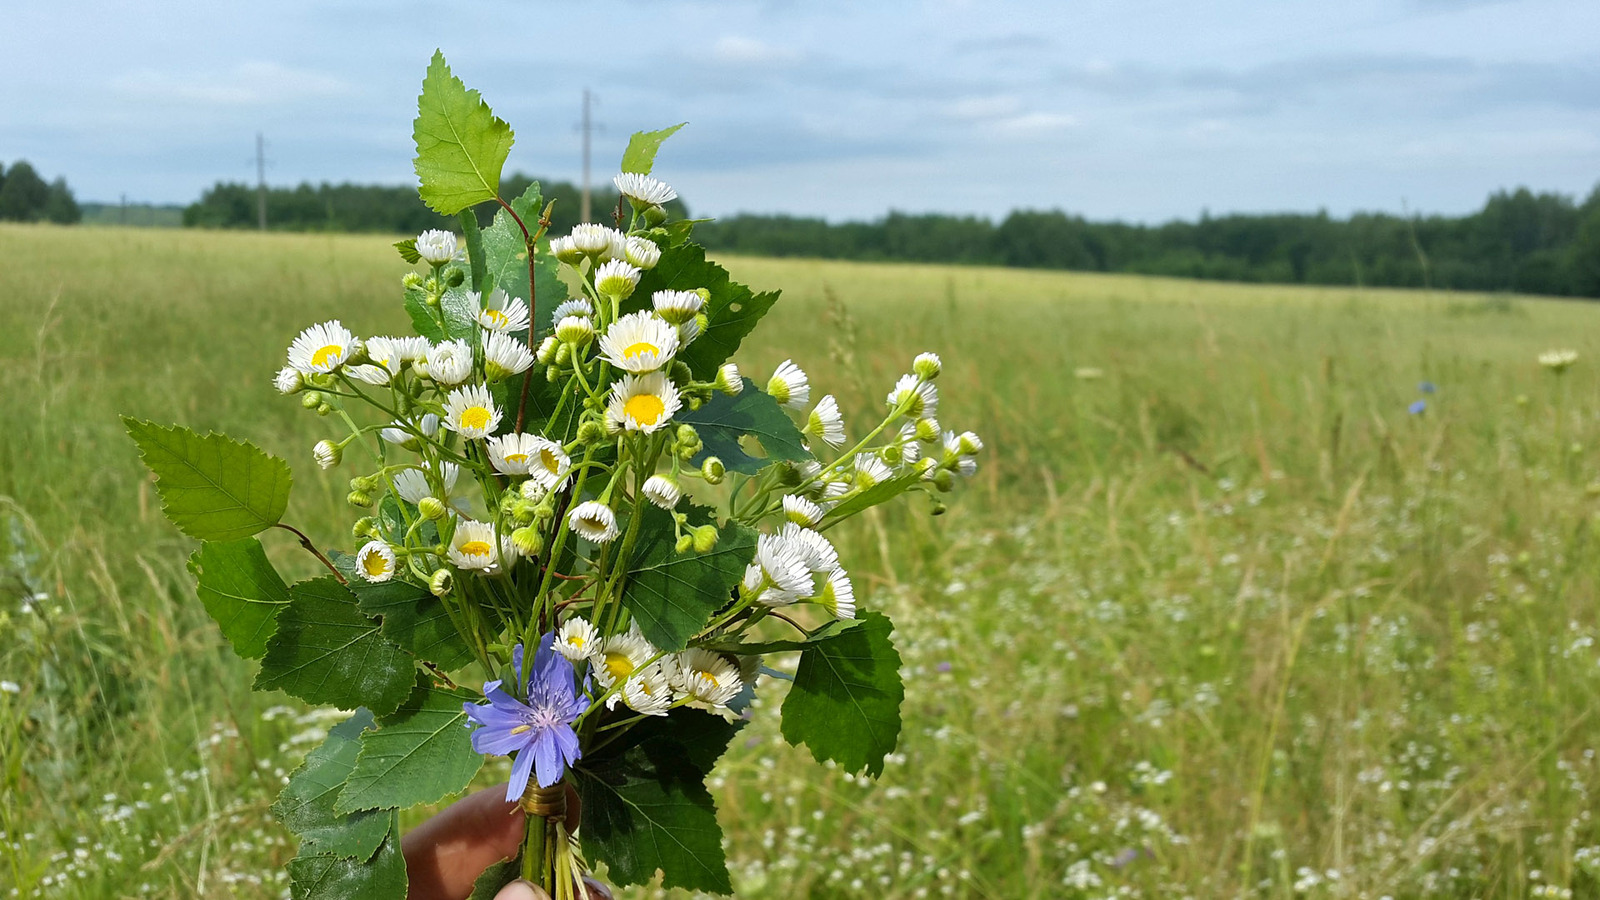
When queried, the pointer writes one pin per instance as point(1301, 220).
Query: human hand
point(446, 854)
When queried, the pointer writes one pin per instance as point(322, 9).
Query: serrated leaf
point(646, 808)
point(495, 878)
point(506, 254)
point(408, 250)
point(416, 620)
point(722, 420)
point(331, 877)
point(640, 156)
point(420, 753)
point(241, 590)
point(326, 650)
point(827, 632)
point(461, 144)
point(213, 488)
point(845, 702)
point(472, 239)
point(671, 595)
point(882, 492)
point(306, 805)
point(731, 313)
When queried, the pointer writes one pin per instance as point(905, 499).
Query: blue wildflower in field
point(1418, 408)
point(1427, 387)
point(539, 730)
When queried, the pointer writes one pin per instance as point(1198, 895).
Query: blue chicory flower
point(1426, 387)
point(539, 731)
point(1418, 408)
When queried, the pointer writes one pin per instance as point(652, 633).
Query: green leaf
point(416, 620)
point(845, 702)
point(640, 156)
point(882, 492)
point(332, 877)
point(461, 144)
point(408, 250)
point(495, 878)
point(326, 650)
point(724, 419)
point(671, 595)
point(420, 753)
point(213, 488)
point(646, 808)
point(306, 805)
point(731, 312)
point(506, 254)
point(242, 592)
point(827, 632)
point(473, 238)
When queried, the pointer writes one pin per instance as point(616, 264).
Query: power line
point(588, 126)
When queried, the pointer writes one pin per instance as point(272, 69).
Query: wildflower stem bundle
point(567, 490)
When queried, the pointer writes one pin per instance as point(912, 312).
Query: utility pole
point(261, 180)
point(587, 127)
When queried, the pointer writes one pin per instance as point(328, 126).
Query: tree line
point(27, 197)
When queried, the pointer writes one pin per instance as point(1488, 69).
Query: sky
point(1114, 109)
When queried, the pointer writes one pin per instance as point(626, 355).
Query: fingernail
point(522, 890)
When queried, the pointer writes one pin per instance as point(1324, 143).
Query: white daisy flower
point(969, 443)
point(594, 522)
point(927, 366)
point(639, 342)
point(779, 575)
point(789, 386)
point(509, 554)
point(410, 349)
point(641, 252)
point(677, 307)
point(375, 562)
point(817, 551)
point(450, 362)
point(436, 247)
point(514, 454)
point(801, 511)
point(388, 353)
point(289, 380)
point(591, 239)
point(870, 470)
point(564, 249)
point(910, 448)
point(914, 397)
point(838, 596)
point(616, 278)
point(321, 348)
point(642, 402)
point(548, 463)
point(574, 329)
point(662, 491)
point(648, 692)
point(577, 306)
point(501, 311)
point(577, 639)
point(1558, 361)
point(831, 491)
point(690, 330)
point(470, 412)
point(620, 656)
point(474, 546)
point(825, 423)
point(504, 356)
point(327, 454)
point(643, 189)
point(710, 678)
point(728, 380)
point(370, 374)
point(412, 484)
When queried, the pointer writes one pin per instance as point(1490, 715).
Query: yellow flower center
point(325, 354)
point(475, 548)
point(576, 641)
point(639, 349)
point(646, 409)
point(474, 417)
point(549, 461)
point(375, 564)
point(618, 665)
point(518, 458)
point(496, 317)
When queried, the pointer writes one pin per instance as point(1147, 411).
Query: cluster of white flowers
point(648, 681)
point(1558, 361)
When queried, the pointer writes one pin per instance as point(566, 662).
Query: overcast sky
point(1130, 109)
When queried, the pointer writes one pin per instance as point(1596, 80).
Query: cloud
point(1037, 122)
point(246, 84)
point(988, 107)
point(737, 50)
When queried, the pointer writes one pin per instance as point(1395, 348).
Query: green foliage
point(415, 620)
point(646, 808)
point(731, 313)
point(845, 702)
point(420, 753)
point(213, 487)
point(25, 197)
point(640, 156)
point(306, 805)
point(326, 650)
point(242, 592)
point(506, 258)
point(723, 420)
point(408, 250)
point(495, 878)
point(825, 632)
point(461, 144)
point(882, 492)
point(331, 877)
point(673, 595)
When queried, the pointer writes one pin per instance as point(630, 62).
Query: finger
point(447, 853)
point(521, 890)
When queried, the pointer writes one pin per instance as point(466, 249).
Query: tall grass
point(1218, 617)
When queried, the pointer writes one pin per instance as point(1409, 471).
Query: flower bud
point(359, 499)
point(681, 372)
point(713, 470)
point(552, 374)
point(728, 380)
point(546, 354)
point(327, 454)
point(412, 280)
point(654, 216)
point(563, 354)
point(574, 329)
point(432, 299)
point(455, 278)
point(566, 251)
point(324, 409)
point(591, 432)
point(926, 366)
point(892, 454)
point(685, 544)
point(641, 252)
point(311, 399)
point(532, 491)
point(969, 443)
point(365, 526)
point(432, 508)
point(944, 480)
point(927, 430)
point(705, 538)
point(288, 381)
point(527, 541)
point(440, 583)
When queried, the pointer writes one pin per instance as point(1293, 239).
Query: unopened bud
point(455, 277)
point(324, 409)
point(432, 508)
point(681, 373)
point(654, 216)
point(563, 354)
point(591, 432)
point(685, 544)
point(705, 538)
point(327, 454)
point(547, 350)
point(412, 280)
point(713, 470)
point(926, 366)
point(311, 399)
point(927, 429)
point(574, 329)
point(944, 480)
point(440, 583)
point(527, 541)
point(892, 454)
point(359, 499)
point(365, 526)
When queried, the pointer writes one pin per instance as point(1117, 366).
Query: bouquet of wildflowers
point(566, 491)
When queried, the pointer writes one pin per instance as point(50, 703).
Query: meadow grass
point(1217, 617)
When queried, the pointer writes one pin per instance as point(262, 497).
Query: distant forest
point(27, 197)
point(1520, 241)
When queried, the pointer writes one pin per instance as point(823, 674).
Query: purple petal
point(516, 662)
point(495, 716)
point(519, 775)
point(498, 741)
point(548, 762)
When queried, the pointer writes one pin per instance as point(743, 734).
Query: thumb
point(522, 890)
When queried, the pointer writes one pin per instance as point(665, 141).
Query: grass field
point(1218, 617)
